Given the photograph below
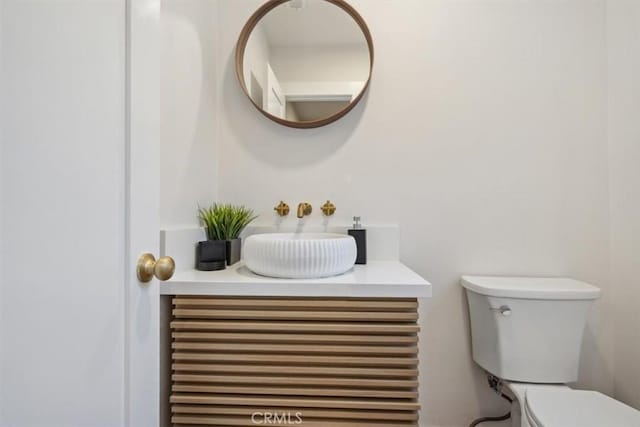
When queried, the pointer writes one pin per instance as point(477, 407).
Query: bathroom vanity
point(332, 351)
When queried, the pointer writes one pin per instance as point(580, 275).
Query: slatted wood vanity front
point(282, 361)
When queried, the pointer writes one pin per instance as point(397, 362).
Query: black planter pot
point(233, 250)
point(211, 255)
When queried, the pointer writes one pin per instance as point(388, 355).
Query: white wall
point(189, 111)
point(321, 63)
point(623, 33)
point(323, 70)
point(483, 135)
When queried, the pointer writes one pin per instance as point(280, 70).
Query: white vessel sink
point(299, 255)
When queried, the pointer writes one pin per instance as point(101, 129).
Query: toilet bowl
point(527, 332)
point(556, 405)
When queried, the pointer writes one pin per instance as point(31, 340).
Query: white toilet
point(528, 333)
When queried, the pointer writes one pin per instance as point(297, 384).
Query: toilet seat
point(577, 408)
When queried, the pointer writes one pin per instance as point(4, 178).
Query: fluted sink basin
point(299, 255)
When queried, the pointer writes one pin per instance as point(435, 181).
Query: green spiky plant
point(225, 221)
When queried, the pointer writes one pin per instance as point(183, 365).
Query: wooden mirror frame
point(242, 44)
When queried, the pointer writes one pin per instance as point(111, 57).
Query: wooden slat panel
point(294, 298)
point(341, 362)
point(246, 421)
point(275, 359)
point(294, 381)
point(358, 316)
point(228, 337)
point(285, 401)
point(302, 303)
point(295, 391)
point(292, 327)
point(293, 348)
point(296, 370)
point(307, 412)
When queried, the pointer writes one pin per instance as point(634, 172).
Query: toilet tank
point(528, 329)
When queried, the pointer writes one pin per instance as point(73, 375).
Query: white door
point(79, 203)
point(276, 102)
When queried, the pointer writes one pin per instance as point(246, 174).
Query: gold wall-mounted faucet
point(328, 208)
point(304, 209)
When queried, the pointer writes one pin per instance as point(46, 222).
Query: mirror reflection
point(306, 61)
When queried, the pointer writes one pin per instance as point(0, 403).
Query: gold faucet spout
point(304, 209)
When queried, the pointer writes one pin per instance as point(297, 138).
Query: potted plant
point(223, 223)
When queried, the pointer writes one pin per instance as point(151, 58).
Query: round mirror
point(304, 63)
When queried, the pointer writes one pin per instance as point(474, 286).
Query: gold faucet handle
point(328, 208)
point(282, 209)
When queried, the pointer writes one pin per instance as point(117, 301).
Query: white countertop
point(377, 279)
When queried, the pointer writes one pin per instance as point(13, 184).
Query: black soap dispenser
point(360, 234)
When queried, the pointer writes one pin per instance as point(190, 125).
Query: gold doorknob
point(148, 267)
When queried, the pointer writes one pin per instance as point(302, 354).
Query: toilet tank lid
point(553, 288)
